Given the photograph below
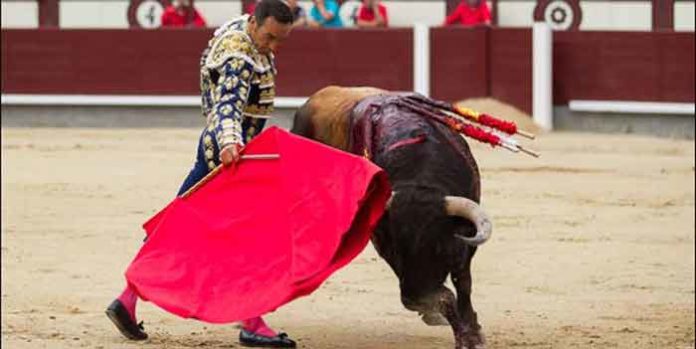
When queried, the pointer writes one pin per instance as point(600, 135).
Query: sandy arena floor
point(593, 247)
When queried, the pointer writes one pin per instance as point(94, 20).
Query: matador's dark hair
point(277, 9)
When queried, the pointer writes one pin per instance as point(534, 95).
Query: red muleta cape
point(262, 233)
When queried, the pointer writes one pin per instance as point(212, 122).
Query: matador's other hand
point(230, 154)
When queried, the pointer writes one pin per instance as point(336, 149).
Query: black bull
point(433, 224)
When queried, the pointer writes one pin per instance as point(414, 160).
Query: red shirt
point(367, 14)
point(172, 18)
point(466, 15)
point(251, 8)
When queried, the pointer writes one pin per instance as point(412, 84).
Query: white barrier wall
point(684, 15)
point(596, 14)
point(218, 12)
point(401, 13)
point(93, 14)
point(20, 14)
point(408, 13)
point(516, 13)
point(113, 13)
point(616, 15)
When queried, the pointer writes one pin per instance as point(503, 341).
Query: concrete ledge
point(116, 116)
point(124, 100)
point(671, 125)
point(631, 107)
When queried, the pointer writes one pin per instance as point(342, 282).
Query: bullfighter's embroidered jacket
point(237, 84)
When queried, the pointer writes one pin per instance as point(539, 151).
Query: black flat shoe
point(118, 314)
point(249, 339)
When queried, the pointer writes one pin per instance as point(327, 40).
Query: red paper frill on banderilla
point(262, 233)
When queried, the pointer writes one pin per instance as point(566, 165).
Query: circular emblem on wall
point(146, 13)
point(559, 14)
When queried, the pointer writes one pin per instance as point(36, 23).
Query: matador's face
point(269, 35)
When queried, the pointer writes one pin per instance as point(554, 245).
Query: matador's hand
point(230, 154)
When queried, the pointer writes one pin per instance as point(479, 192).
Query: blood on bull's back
point(411, 147)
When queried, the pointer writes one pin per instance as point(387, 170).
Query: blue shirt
point(331, 6)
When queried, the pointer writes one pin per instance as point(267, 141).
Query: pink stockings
point(129, 299)
point(258, 326)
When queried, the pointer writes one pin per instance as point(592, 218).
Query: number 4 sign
point(146, 13)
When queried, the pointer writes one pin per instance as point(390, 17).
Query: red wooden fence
point(475, 62)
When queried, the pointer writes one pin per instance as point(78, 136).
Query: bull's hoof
point(434, 319)
point(477, 346)
point(471, 346)
point(471, 341)
point(476, 341)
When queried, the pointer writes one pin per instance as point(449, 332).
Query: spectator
point(372, 14)
point(470, 13)
point(181, 14)
point(251, 7)
point(298, 13)
point(324, 13)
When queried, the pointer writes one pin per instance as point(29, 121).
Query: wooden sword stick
point(217, 169)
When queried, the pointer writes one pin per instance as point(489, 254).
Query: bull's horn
point(465, 208)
